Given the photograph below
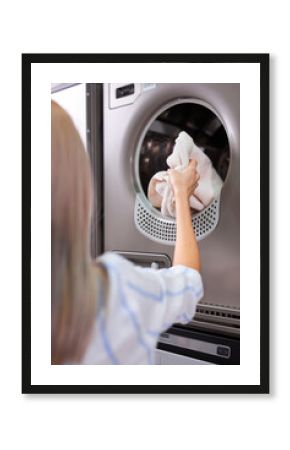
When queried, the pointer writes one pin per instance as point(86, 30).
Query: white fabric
point(209, 184)
point(140, 304)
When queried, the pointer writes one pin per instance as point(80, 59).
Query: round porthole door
point(156, 143)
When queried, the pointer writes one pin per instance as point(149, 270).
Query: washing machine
point(140, 124)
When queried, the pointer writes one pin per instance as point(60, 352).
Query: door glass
point(200, 123)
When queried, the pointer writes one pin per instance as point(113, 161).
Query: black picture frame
point(263, 61)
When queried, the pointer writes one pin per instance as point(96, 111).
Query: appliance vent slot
point(218, 318)
point(216, 313)
point(163, 230)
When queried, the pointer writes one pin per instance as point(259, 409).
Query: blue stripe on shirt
point(105, 339)
point(155, 297)
point(131, 315)
point(160, 297)
point(102, 325)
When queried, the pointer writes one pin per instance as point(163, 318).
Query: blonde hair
point(73, 284)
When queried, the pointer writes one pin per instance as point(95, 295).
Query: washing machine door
point(204, 131)
point(140, 127)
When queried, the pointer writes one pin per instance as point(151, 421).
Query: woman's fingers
point(193, 163)
point(187, 179)
point(194, 174)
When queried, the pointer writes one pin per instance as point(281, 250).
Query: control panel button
point(223, 351)
point(124, 91)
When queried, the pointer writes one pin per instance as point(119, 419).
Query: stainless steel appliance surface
point(140, 123)
point(186, 345)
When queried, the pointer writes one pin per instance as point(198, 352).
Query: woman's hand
point(185, 182)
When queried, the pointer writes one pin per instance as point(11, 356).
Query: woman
point(110, 311)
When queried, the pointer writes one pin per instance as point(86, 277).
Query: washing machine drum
point(156, 144)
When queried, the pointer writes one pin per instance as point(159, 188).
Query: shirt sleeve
point(151, 299)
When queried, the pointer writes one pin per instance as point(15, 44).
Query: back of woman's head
point(71, 280)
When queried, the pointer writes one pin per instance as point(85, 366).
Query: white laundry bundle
point(160, 192)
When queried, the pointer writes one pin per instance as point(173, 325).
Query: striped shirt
point(140, 304)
